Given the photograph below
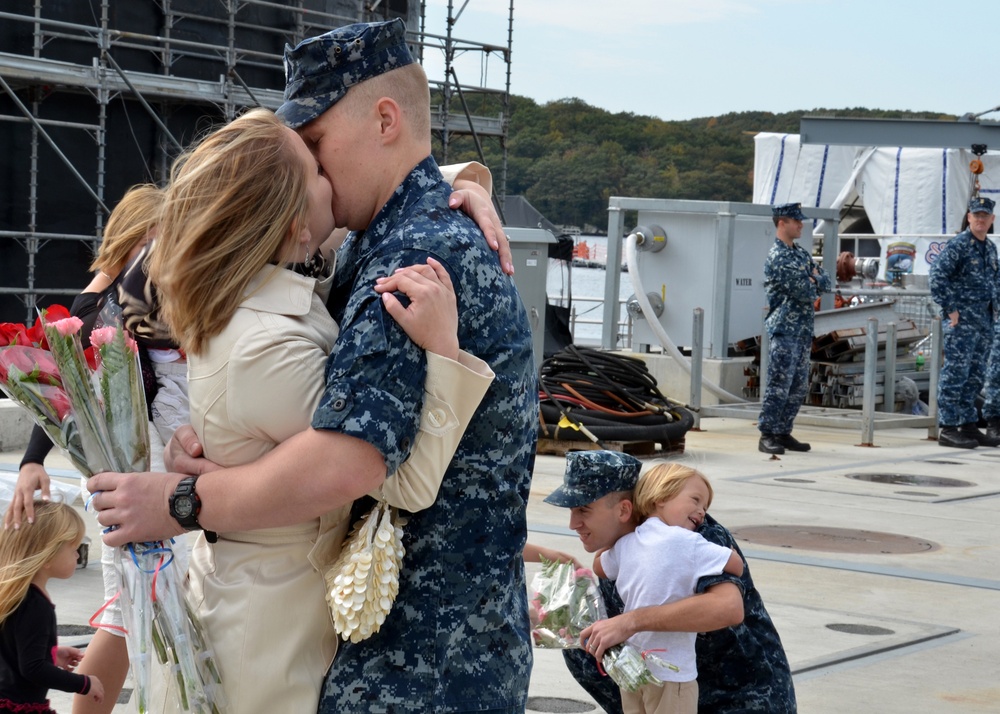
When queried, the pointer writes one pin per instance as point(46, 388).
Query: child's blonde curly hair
point(661, 483)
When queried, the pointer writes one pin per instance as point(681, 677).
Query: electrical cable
point(590, 395)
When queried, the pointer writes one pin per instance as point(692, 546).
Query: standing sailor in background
point(963, 282)
point(791, 282)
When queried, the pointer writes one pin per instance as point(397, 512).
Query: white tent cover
point(904, 191)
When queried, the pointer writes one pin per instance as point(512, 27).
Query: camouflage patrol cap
point(320, 70)
point(591, 475)
point(981, 204)
point(788, 210)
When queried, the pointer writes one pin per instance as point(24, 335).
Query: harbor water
point(588, 286)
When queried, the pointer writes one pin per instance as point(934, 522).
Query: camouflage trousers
point(966, 355)
point(991, 409)
point(787, 383)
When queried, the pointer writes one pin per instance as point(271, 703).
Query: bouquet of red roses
point(91, 403)
point(30, 377)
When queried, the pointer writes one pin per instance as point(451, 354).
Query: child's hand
point(68, 657)
point(96, 689)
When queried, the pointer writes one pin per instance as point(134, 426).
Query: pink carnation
point(67, 326)
point(106, 335)
point(102, 336)
point(583, 573)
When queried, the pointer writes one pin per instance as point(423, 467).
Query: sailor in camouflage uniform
point(963, 282)
point(457, 637)
point(742, 668)
point(791, 281)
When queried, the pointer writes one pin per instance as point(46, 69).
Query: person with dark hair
point(792, 281)
point(963, 281)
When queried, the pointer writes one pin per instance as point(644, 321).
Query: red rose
point(55, 312)
point(59, 401)
point(13, 333)
point(29, 360)
point(51, 314)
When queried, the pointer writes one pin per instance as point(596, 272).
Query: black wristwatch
point(185, 507)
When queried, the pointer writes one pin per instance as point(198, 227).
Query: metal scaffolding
point(180, 66)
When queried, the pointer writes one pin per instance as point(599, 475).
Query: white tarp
point(902, 190)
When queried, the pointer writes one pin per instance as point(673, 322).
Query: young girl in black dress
point(31, 662)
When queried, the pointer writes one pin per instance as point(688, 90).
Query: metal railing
point(576, 319)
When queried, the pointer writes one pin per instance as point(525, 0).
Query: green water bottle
point(920, 360)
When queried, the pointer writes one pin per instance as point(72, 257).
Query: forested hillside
point(568, 157)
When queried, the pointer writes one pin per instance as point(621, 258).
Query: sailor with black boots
point(792, 282)
point(963, 281)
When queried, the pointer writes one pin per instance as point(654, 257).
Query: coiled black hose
point(589, 395)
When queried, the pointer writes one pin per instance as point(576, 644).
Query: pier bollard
point(697, 348)
point(932, 387)
point(765, 345)
point(868, 394)
point(889, 378)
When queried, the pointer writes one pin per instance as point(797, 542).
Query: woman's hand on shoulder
point(473, 199)
point(431, 317)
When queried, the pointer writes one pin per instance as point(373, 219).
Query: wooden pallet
point(639, 449)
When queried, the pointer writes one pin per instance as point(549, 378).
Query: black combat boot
point(791, 443)
point(981, 438)
point(993, 429)
point(770, 444)
point(951, 436)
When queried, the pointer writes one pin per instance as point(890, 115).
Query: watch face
point(183, 507)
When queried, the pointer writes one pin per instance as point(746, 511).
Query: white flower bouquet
point(567, 601)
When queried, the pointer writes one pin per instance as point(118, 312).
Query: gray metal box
point(530, 250)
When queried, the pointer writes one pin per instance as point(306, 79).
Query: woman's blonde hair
point(134, 216)
point(661, 483)
point(25, 550)
point(227, 213)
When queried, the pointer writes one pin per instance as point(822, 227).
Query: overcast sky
point(682, 59)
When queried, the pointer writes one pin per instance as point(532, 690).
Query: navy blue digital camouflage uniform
point(457, 636)
point(964, 278)
point(741, 669)
point(791, 293)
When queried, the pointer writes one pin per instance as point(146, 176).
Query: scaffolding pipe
point(145, 105)
point(479, 147)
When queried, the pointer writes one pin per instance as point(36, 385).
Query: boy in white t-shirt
point(659, 562)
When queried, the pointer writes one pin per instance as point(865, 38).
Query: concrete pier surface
point(879, 565)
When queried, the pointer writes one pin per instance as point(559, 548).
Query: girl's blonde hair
point(661, 483)
point(134, 216)
point(25, 550)
point(227, 213)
